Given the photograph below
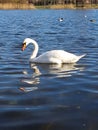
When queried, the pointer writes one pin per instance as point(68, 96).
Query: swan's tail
point(81, 56)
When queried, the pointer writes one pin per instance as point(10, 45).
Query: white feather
point(53, 56)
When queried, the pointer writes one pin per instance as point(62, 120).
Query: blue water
point(48, 97)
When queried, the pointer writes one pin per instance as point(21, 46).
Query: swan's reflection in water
point(60, 70)
point(49, 71)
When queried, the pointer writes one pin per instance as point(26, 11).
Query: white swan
point(53, 56)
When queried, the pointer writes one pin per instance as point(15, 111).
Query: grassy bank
point(59, 6)
point(68, 6)
point(31, 6)
point(64, 6)
point(16, 6)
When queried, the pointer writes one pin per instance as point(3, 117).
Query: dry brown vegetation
point(16, 6)
point(64, 6)
point(10, 6)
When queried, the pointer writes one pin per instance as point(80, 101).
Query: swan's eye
point(23, 46)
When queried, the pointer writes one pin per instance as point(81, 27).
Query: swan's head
point(25, 43)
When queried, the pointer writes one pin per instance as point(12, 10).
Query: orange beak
point(23, 46)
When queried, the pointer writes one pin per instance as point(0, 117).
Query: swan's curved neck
point(34, 54)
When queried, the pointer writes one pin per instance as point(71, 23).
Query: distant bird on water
point(61, 19)
point(92, 20)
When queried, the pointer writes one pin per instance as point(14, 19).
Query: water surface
point(48, 97)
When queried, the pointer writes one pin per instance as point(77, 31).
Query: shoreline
point(12, 6)
point(9, 6)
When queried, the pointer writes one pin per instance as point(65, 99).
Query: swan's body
point(54, 56)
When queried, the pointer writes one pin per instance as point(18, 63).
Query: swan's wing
point(55, 56)
point(64, 56)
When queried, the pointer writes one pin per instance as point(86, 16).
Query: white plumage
point(53, 56)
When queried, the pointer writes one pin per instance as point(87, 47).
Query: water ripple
point(38, 96)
